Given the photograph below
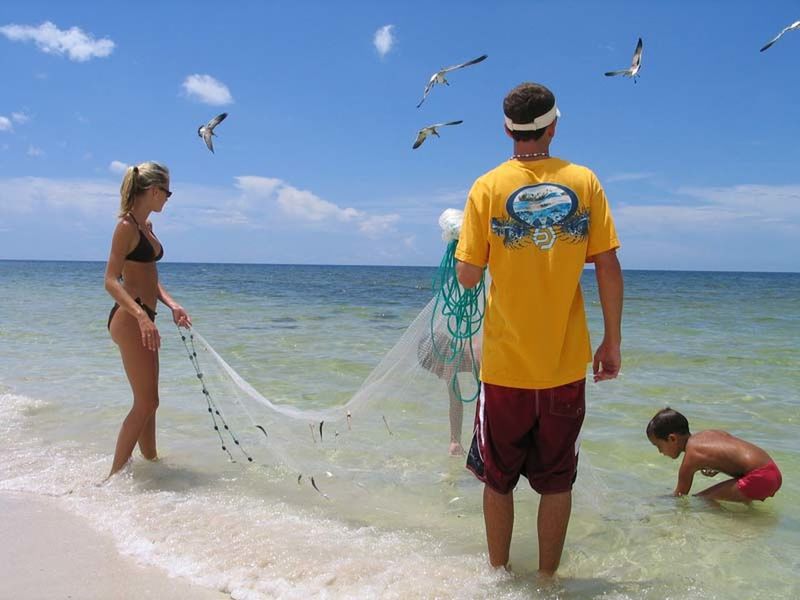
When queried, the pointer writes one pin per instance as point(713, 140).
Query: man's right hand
point(607, 361)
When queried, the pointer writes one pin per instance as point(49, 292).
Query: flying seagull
point(792, 27)
point(431, 130)
point(207, 130)
point(439, 76)
point(636, 64)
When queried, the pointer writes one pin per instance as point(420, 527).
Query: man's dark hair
point(665, 422)
point(523, 104)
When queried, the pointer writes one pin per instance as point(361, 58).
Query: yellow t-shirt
point(535, 224)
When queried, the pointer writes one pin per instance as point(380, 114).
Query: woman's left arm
point(179, 315)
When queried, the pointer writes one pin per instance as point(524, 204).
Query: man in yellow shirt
point(535, 220)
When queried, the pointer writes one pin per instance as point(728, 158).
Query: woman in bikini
point(132, 280)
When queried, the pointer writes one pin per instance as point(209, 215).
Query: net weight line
point(213, 409)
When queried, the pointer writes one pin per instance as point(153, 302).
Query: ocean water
point(721, 347)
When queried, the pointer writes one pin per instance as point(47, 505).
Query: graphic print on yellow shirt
point(535, 224)
point(540, 214)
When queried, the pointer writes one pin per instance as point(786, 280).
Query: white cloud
point(384, 40)
point(766, 201)
point(754, 208)
point(35, 151)
point(378, 225)
point(252, 202)
point(628, 177)
point(118, 166)
point(34, 195)
point(449, 197)
point(739, 227)
point(20, 117)
point(208, 90)
point(303, 205)
point(5, 124)
point(73, 42)
point(223, 216)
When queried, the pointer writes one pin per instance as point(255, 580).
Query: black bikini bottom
point(150, 312)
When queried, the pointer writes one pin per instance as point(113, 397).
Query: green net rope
point(463, 313)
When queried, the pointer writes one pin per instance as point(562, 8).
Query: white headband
point(538, 123)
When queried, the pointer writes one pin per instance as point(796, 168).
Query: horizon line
point(663, 270)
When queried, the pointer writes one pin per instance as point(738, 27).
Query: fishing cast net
point(393, 432)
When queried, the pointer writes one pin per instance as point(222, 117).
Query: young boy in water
point(755, 475)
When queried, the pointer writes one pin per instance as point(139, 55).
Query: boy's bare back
point(718, 450)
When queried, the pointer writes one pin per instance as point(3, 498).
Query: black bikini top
point(144, 251)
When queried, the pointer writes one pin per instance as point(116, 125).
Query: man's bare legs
point(498, 515)
point(554, 512)
point(553, 519)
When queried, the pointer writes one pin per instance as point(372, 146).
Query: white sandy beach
point(51, 554)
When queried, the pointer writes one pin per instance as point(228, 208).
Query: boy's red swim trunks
point(761, 483)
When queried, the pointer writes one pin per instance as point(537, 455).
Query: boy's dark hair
point(665, 422)
point(523, 104)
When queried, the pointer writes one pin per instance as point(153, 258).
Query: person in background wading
point(434, 359)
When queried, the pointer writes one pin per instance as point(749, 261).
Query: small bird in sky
point(207, 130)
point(431, 130)
point(439, 76)
point(636, 64)
point(792, 27)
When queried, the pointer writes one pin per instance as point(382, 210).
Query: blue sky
point(314, 163)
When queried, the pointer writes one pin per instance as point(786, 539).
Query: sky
point(314, 163)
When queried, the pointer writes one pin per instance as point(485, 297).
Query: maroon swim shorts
point(528, 432)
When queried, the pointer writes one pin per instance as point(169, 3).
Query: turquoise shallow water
point(721, 347)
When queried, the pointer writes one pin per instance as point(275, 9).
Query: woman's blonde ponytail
point(136, 180)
